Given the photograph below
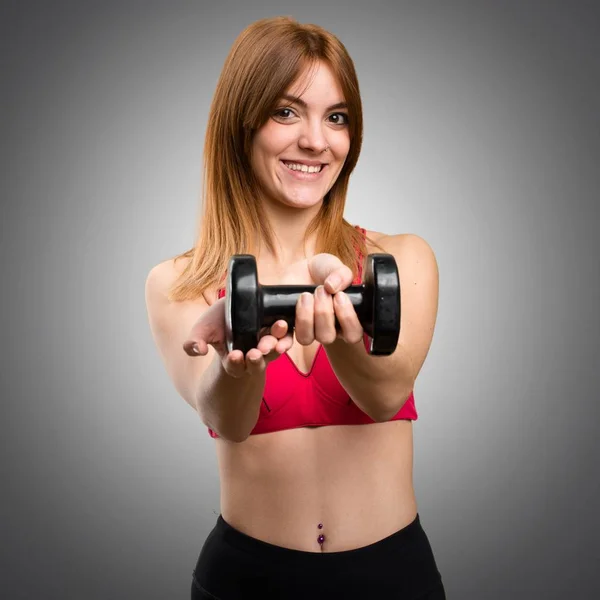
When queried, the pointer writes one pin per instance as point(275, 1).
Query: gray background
point(482, 135)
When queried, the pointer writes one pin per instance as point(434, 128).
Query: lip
point(304, 176)
point(308, 163)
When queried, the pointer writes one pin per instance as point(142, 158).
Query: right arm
point(225, 389)
point(229, 405)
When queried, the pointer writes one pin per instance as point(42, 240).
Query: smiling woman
point(313, 434)
point(281, 146)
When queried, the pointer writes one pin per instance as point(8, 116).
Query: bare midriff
point(320, 489)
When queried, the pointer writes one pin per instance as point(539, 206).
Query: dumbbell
point(250, 306)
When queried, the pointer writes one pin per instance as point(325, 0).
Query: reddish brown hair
point(265, 60)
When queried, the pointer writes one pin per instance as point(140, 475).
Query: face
point(299, 135)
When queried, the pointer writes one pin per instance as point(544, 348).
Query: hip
point(232, 564)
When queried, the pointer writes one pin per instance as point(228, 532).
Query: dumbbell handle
point(279, 302)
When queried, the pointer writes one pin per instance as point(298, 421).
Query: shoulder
point(163, 276)
point(165, 273)
point(158, 281)
point(414, 255)
point(401, 243)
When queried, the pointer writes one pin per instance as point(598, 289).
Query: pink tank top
point(294, 399)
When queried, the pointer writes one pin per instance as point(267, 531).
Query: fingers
point(237, 365)
point(324, 266)
point(207, 330)
point(324, 316)
point(282, 346)
point(339, 279)
point(256, 361)
point(195, 348)
point(270, 343)
point(234, 364)
point(279, 329)
point(351, 329)
point(269, 348)
point(316, 316)
point(275, 343)
point(304, 322)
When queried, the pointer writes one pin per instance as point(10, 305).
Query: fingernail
point(195, 349)
point(341, 298)
point(305, 299)
point(321, 293)
point(334, 282)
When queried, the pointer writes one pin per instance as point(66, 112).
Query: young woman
point(313, 434)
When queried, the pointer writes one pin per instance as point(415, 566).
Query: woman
point(313, 434)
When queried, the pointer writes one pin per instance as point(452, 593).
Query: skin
point(297, 132)
point(355, 480)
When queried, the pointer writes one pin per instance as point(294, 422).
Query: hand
point(209, 329)
point(315, 320)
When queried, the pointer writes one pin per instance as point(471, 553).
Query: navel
point(321, 538)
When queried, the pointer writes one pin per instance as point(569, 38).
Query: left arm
point(379, 385)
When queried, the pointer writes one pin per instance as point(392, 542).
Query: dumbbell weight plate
point(381, 272)
point(243, 307)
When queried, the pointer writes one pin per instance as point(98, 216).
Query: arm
point(228, 405)
point(380, 385)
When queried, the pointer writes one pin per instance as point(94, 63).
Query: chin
point(302, 202)
point(305, 197)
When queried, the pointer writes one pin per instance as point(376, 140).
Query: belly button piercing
point(321, 538)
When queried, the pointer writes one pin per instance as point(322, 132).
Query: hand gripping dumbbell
point(250, 306)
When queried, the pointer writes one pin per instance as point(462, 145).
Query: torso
point(356, 480)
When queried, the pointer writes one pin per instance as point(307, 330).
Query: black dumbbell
point(251, 306)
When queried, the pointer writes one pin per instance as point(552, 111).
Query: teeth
point(303, 168)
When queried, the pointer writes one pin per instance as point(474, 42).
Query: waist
point(355, 481)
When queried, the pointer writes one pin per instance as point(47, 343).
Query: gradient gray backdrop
point(482, 135)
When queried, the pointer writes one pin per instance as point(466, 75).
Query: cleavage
point(303, 357)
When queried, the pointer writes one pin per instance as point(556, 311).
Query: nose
point(313, 137)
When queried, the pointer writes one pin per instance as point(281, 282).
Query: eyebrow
point(304, 105)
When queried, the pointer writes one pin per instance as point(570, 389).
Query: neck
point(289, 227)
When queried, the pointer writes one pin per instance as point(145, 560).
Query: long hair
point(265, 59)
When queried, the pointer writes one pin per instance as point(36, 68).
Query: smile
point(303, 172)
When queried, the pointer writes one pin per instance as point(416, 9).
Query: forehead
point(317, 82)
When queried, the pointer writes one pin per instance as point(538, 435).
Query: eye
point(286, 113)
point(279, 111)
point(338, 115)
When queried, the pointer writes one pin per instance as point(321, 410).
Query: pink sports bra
point(294, 399)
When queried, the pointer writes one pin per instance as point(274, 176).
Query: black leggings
point(235, 566)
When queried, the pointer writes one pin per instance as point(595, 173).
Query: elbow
point(383, 417)
point(236, 438)
point(388, 411)
point(227, 434)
